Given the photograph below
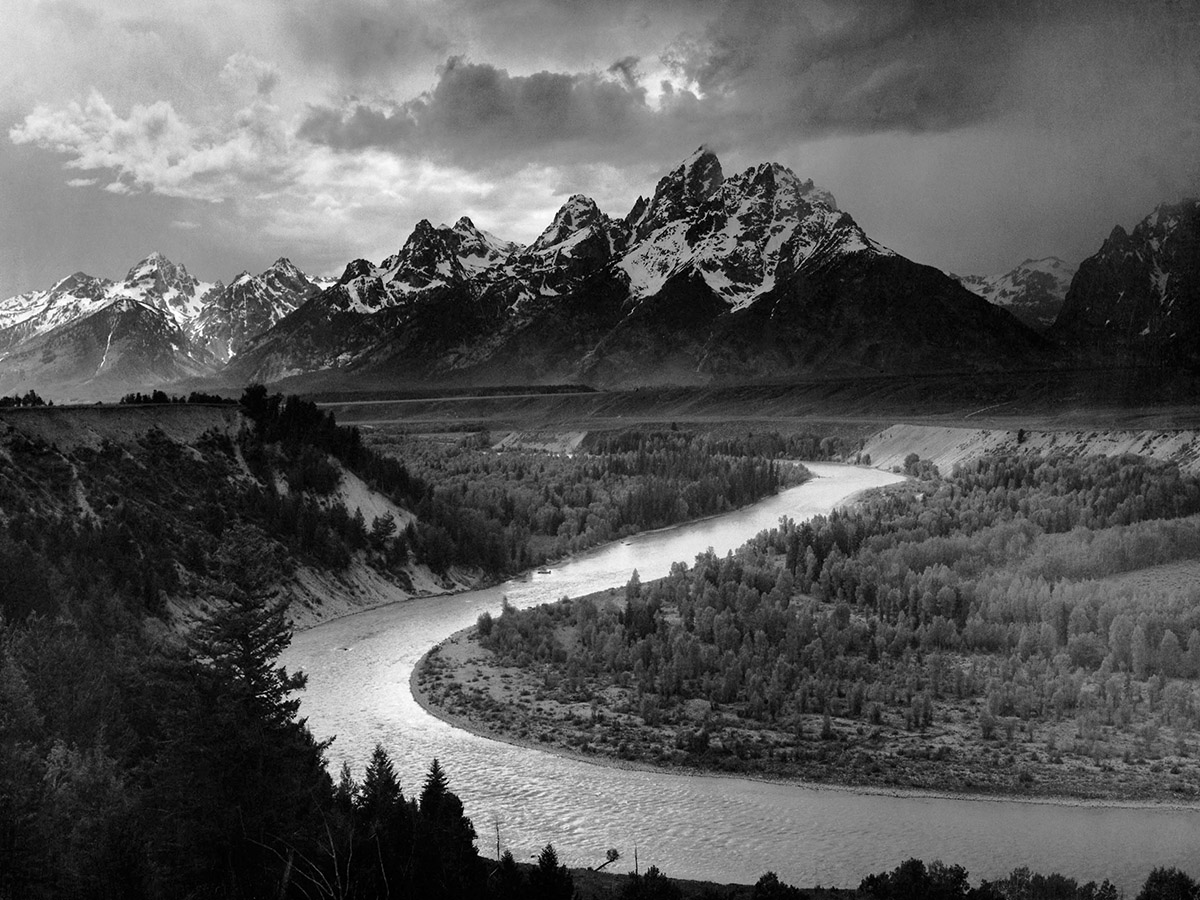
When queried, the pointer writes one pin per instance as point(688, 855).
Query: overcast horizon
point(964, 135)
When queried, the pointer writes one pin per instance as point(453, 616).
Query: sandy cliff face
point(947, 447)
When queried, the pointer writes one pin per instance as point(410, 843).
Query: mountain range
point(759, 275)
point(91, 337)
point(755, 276)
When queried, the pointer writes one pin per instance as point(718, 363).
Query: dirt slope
point(946, 446)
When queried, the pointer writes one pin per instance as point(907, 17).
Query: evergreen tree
point(446, 861)
point(379, 795)
point(549, 880)
point(435, 790)
point(383, 833)
point(507, 882)
point(239, 782)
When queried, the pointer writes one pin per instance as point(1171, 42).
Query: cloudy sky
point(968, 134)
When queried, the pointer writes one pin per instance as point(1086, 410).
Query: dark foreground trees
point(133, 771)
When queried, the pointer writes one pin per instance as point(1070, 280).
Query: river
point(718, 828)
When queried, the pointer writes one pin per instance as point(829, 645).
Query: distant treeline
point(29, 398)
point(156, 397)
point(765, 444)
point(914, 879)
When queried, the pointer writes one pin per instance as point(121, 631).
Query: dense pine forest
point(974, 632)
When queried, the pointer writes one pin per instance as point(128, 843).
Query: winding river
point(718, 828)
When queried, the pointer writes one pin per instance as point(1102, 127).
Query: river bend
point(719, 828)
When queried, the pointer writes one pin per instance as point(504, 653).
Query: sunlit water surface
point(725, 829)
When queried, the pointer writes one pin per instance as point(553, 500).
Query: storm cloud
point(479, 112)
point(926, 65)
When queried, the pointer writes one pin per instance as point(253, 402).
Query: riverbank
point(461, 683)
point(316, 598)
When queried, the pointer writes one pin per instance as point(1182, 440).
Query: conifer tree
point(549, 880)
point(240, 781)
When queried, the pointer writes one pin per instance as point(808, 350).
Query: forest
point(971, 632)
point(513, 510)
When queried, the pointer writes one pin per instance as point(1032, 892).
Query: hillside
point(147, 507)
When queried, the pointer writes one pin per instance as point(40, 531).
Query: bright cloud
point(153, 148)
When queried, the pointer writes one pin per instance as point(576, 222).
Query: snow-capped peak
point(479, 249)
point(578, 214)
point(286, 268)
point(740, 234)
point(158, 282)
point(679, 193)
point(156, 266)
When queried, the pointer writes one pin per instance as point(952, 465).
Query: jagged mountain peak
point(788, 194)
point(1139, 295)
point(426, 238)
point(465, 226)
point(356, 268)
point(577, 214)
point(156, 266)
point(803, 187)
point(284, 266)
point(80, 281)
point(477, 248)
point(701, 170)
point(678, 194)
point(1167, 216)
point(1044, 263)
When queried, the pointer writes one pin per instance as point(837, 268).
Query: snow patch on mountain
point(743, 234)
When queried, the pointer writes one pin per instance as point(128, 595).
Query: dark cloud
point(873, 65)
point(860, 65)
point(478, 112)
point(360, 39)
